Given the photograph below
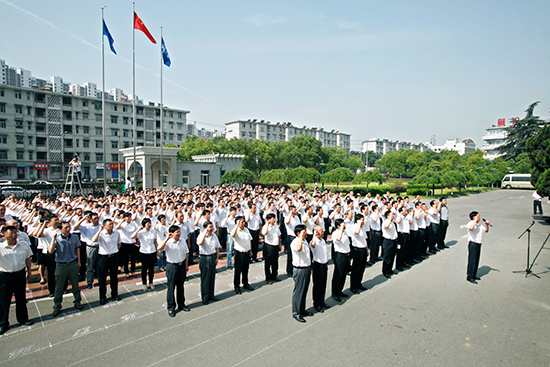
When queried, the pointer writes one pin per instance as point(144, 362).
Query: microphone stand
point(538, 253)
point(527, 268)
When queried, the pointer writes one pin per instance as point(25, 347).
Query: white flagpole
point(134, 87)
point(161, 121)
point(103, 104)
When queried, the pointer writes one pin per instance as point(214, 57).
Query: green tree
point(302, 175)
point(520, 132)
point(240, 176)
point(538, 148)
point(369, 177)
point(273, 176)
point(338, 175)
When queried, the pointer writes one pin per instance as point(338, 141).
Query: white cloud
point(263, 19)
point(346, 24)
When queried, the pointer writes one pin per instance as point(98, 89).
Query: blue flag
point(165, 57)
point(109, 37)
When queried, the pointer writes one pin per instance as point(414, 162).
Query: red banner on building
point(501, 122)
point(116, 165)
point(41, 166)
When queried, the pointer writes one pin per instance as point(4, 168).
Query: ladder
point(72, 181)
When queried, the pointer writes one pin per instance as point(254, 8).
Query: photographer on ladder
point(77, 167)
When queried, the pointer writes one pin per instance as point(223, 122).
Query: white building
point(383, 146)
point(494, 138)
point(57, 84)
point(3, 65)
point(91, 89)
point(25, 78)
point(462, 147)
point(285, 131)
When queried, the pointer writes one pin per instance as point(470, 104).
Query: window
point(29, 138)
point(140, 134)
point(1, 93)
point(114, 132)
point(84, 103)
point(126, 144)
point(76, 129)
point(99, 157)
point(18, 109)
point(171, 114)
point(28, 96)
point(85, 116)
point(19, 139)
point(77, 143)
point(85, 143)
point(40, 126)
point(3, 139)
point(40, 112)
point(125, 133)
point(180, 125)
point(3, 154)
point(114, 119)
point(171, 125)
point(2, 107)
point(124, 108)
point(180, 137)
point(98, 144)
point(140, 123)
point(18, 124)
point(17, 95)
point(86, 156)
point(67, 101)
point(29, 111)
point(86, 130)
point(114, 144)
point(179, 115)
point(98, 118)
point(67, 115)
point(114, 107)
point(171, 136)
point(31, 156)
point(3, 124)
point(41, 156)
point(20, 155)
point(29, 125)
point(99, 130)
point(125, 120)
point(139, 110)
point(76, 115)
point(114, 157)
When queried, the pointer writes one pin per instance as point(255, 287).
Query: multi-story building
point(40, 131)
point(383, 146)
point(285, 131)
point(462, 147)
point(494, 139)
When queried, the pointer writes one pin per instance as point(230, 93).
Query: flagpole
point(103, 104)
point(134, 86)
point(161, 121)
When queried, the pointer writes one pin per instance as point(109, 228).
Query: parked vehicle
point(42, 183)
point(517, 181)
point(5, 182)
point(19, 192)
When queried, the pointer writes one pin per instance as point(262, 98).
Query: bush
point(414, 192)
point(397, 189)
point(302, 175)
point(240, 176)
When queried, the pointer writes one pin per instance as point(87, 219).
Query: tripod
point(527, 267)
point(538, 253)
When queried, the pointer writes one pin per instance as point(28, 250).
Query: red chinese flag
point(138, 24)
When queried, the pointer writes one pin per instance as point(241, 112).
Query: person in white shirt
point(272, 236)
point(537, 203)
point(229, 223)
point(376, 233)
point(475, 234)
point(109, 244)
point(389, 245)
point(128, 245)
point(148, 252)
point(340, 242)
point(319, 268)
point(291, 221)
point(403, 221)
point(254, 223)
point(209, 252)
point(162, 233)
point(443, 223)
point(177, 253)
point(242, 238)
point(359, 253)
point(433, 226)
point(301, 261)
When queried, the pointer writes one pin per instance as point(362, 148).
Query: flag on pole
point(109, 37)
point(165, 56)
point(138, 24)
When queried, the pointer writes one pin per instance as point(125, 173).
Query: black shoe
point(116, 298)
point(50, 295)
point(276, 279)
point(298, 318)
point(337, 299)
point(368, 264)
point(473, 281)
point(238, 290)
point(399, 269)
point(214, 299)
point(269, 282)
point(90, 286)
point(387, 276)
point(307, 313)
point(324, 305)
point(343, 295)
point(319, 309)
point(4, 329)
point(248, 287)
point(355, 291)
point(184, 308)
point(289, 275)
point(172, 313)
point(102, 301)
point(28, 323)
point(205, 302)
point(476, 278)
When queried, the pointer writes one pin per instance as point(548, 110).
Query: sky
point(399, 70)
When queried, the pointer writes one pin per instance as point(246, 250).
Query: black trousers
point(432, 236)
point(442, 233)
point(359, 256)
point(242, 263)
point(223, 237)
point(402, 244)
point(50, 263)
point(319, 272)
point(422, 243)
point(389, 254)
point(327, 225)
point(301, 278)
point(207, 266)
point(411, 252)
point(108, 265)
point(375, 243)
point(13, 284)
point(474, 252)
point(537, 204)
point(175, 276)
point(82, 249)
point(148, 262)
point(289, 266)
point(271, 260)
point(341, 268)
point(255, 243)
point(128, 252)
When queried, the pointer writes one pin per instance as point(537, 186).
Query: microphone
point(484, 221)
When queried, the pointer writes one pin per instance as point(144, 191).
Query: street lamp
point(322, 174)
point(220, 165)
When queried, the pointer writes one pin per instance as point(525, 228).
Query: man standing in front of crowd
point(475, 234)
point(109, 244)
point(177, 253)
point(301, 262)
point(14, 257)
point(443, 223)
point(389, 233)
point(242, 238)
point(320, 269)
point(67, 257)
point(209, 252)
point(359, 254)
point(272, 236)
point(254, 222)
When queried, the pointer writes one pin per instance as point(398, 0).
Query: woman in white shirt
point(162, 233)
point(148, 250)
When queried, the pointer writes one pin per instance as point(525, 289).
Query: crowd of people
point(79, 238)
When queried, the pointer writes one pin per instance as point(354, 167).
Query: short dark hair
point(173, 229)
point(299, 228)
point(206, 224)
point(338, 222)
point(270, 216)
point(358, 217)
point(144, 221)
point(107, 221)
point(473, 215)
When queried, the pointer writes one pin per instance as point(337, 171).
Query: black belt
point(177, 264)
point(67, 262)
point(302, 267)
point(201, 255)
point(12, 272)
point(375, 230)
point(477, 243)
point(92, 246)
point(242, 252)
point(343, 253)
point(110, 255)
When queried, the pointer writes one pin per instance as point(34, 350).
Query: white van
point(517, 181)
